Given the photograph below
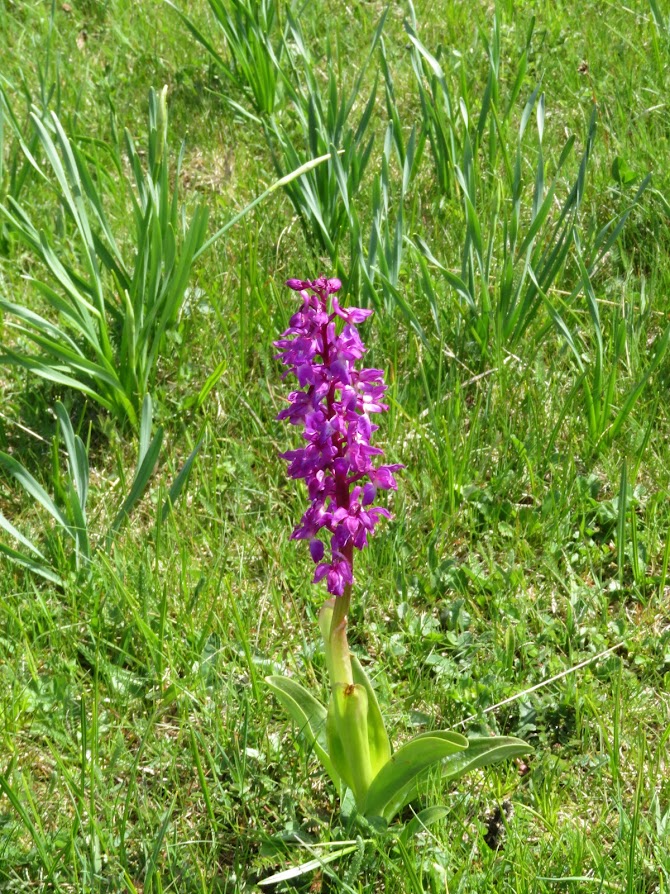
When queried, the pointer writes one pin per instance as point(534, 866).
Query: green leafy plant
point(503, 283)
point(377, 265)
point(114, 307)
point(253, 62)
point(350, 740)
point(323, 124)
point(13, 171)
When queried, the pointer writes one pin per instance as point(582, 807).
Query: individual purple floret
point(334, 406)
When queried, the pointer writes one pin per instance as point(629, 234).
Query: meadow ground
point(493, 205)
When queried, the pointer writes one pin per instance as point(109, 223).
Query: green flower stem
point(341, 607)
point(333, 624)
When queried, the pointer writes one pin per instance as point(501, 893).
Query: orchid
point(338, 463)
point(343, 472)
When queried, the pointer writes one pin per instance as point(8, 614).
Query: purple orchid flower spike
point(338, 463)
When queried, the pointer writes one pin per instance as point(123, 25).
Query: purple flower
point(334, 405)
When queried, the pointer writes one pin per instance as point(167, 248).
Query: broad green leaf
point(621, 172)
point(378, 740)
point(336, 750)
point(79, 525)
point(77, 489)
point(40, 324)
point(309, 715)
point(72, 361)
point(18, 536)
point(409, 761)
point(430, 59)
point(325, 623)
point(347, 732)
point(338, 656)
point(139, 485)
point(482, 751)
point(77, 458)
point(29, 563)
point(54, 374)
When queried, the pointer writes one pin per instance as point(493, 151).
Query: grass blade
point(32, 487)
point(140, 481)
point(38, 840)
point(180, 481)
point(283, 181)
point(29, 563)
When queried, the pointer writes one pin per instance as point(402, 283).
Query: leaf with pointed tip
point(309, 715)
point(146, 424)
point(398, 777)
point(139, 485)
point(181, 479)
point(76, 452)
point(52, 374)
point(296, 871)
point(482, 751)
point(78, 486)
point(422, 820)
point(30, 564)
point(36, 491)
point(18, 536)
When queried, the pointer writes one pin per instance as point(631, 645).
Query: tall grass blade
point(621, 520)
point(37, 837)
point(28, 562)
point(152, 863)
point(300, 171)
point(139, 484)
point(32, 487)
point(180, 481)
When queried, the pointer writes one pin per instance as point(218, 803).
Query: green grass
point(139, 748)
